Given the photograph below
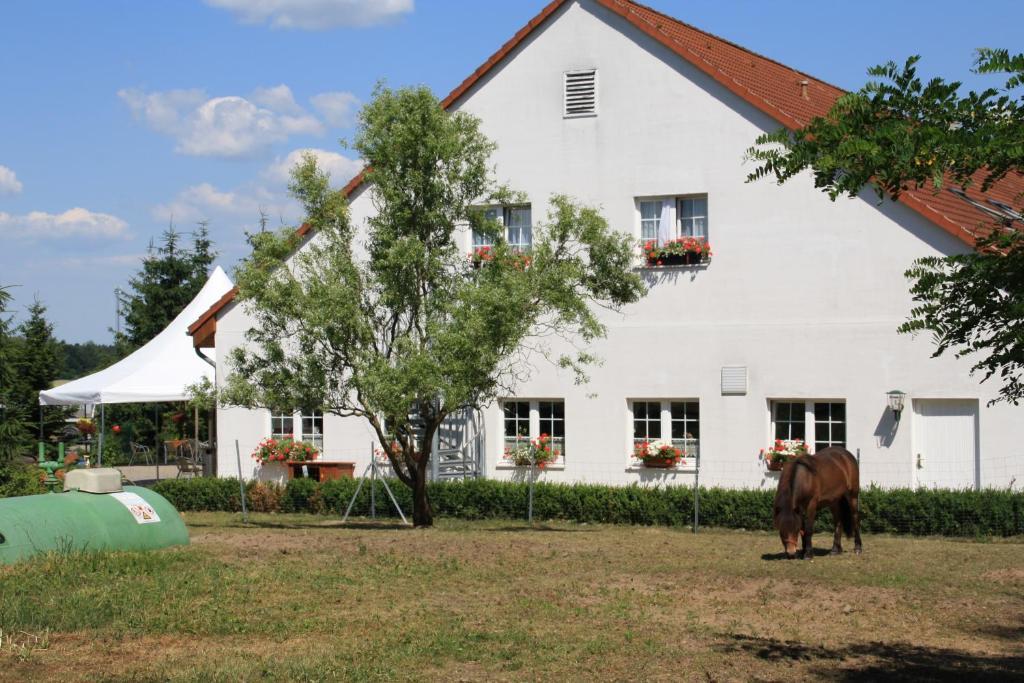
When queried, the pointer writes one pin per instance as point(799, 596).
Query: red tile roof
point(789, 96)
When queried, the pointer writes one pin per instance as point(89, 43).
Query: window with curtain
point(518, 224)
point(693, 217)
point(650, 214)
point(520, 228)
point(491, 214)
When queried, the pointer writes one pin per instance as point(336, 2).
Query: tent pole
point(103, 426)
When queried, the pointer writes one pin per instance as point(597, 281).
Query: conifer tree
point(38, 361)
point(170, 277)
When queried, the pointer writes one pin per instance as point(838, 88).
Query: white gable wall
point(804, 292)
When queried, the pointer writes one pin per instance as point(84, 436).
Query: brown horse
point(828, 478)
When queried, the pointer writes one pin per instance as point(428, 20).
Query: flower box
point(658, 454)
point(540, 452)
point(684, 251)
point(661, 463)
point(781, 452)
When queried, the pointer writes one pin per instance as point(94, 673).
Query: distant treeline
point(85, 358)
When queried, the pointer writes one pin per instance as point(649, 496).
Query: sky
point(119, 118)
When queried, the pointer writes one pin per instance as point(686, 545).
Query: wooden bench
point(321, 470)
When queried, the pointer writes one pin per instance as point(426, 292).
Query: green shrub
point(922, 512)
point(20, 480)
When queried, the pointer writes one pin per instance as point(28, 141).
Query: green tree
point(14, 433)
point(84, 358)
point(170, 277)
point(409, 332)
point(38, 362)
point(900, 133)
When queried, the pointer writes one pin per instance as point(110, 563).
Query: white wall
point(805, 292)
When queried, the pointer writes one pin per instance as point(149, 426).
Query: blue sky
point(117, 117)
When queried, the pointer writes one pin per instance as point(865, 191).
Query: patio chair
point(188, 461)
point(140, 452)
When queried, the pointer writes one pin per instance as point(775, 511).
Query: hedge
point(922, 511)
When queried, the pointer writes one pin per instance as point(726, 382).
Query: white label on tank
point(142, 511)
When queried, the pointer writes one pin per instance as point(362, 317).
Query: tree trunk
point(422, 514)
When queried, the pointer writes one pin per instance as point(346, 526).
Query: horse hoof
point(857, 550)
point(836, 551)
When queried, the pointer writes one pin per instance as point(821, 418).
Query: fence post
point(241, 482)
point(696, 495)
point(529, 505)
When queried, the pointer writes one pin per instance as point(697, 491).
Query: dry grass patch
point(291, 597)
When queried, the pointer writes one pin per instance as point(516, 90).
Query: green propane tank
point(93, 513)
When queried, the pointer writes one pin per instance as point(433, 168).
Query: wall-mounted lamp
point(896, 403)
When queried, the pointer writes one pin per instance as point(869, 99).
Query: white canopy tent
point(157, 372)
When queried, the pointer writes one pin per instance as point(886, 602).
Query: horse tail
point(846, 516)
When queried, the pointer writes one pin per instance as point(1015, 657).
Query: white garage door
point(946, 443)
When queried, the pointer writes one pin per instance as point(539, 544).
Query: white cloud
point(91, 261)
point(75, 222)
point(341, 168)
point(337, 108)
point(9, 183)
point(206, 202)
point(230, 126)
point(315, 15)
point(278, 98)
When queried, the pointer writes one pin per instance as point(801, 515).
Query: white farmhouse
point(788, 330)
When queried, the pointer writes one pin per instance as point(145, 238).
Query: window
point(313, 428)
point(579, 93)
point(518, 222)
point(646, 420)
point(491, 214)
point(693, 217)
point(282, 425)
point(678, 420)
point(650, 216)
point(517, 421)
point(825, 421)
point(520, 229)
point(688, 216)
point(790, 421)
point(525, 420)
point(829, 425)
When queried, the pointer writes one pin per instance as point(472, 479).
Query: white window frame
point(691, 447)
point(810, 421)
point(681, 218)
point(534, 431)
point(504, 215)
point(677, 215)
point(297, 418)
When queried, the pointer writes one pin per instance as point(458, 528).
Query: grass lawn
point(292, 597)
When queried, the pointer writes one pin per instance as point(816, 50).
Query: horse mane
point(786, 482)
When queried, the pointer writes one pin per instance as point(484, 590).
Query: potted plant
point(86, 427)
point(539, 451)
point(286, 450)
point(661, 454)
point(481, 255)
point(298, 451)
point(781, 452)
point(677, 252)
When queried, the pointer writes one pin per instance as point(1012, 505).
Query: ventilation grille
point(581, 93)
point(734, 380)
